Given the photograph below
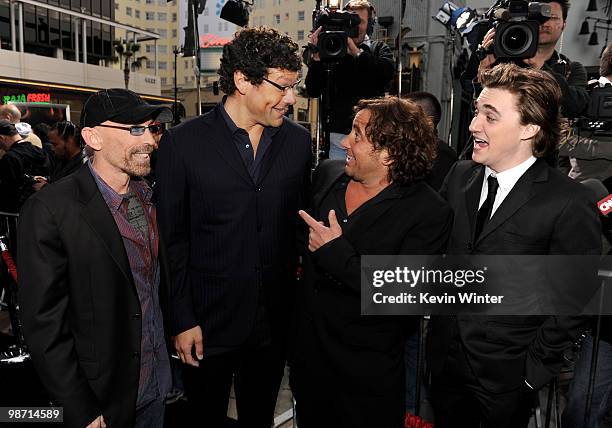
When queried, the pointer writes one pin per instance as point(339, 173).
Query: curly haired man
point(230, 184)
point(347, 370)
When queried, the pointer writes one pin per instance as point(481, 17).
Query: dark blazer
point(226, 235)
point(79, 306)
point(545, 213)
point(333, 342)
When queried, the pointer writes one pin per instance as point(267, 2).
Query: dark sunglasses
point(138, 130)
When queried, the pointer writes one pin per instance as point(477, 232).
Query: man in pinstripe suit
point(230, 184)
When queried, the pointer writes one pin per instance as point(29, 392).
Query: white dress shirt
point(506, 180)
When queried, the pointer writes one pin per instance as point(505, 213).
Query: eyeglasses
point(285, 88)
point(138, 130)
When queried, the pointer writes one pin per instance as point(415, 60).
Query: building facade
point(60, 51)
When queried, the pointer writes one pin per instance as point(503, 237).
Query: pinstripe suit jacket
point(228, 236)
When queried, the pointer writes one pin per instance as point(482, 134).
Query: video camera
point(598, 116)
point(516, 24)
point(517, 28)
point(336, 25)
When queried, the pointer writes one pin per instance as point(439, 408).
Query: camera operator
point(590, 153)
point(570, 75)
point(362, 73)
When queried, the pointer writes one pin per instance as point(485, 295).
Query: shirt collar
point(508, 178)
point(114, 199)
point(268, 130)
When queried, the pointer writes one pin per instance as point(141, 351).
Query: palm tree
point(127, 55)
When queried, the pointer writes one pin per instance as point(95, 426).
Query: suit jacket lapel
point(520, 194)
point(333, 172)
point(472, 190)
point(268, 160)
point(224, 144)
point(97, 214)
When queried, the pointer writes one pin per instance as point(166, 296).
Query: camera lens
point(333, 45)
point(516, 40)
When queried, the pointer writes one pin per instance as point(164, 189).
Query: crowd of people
point(125, 266)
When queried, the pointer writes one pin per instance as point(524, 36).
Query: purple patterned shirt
point(142, 250)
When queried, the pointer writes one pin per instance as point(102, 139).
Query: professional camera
point(597, 118)
point(517, 28)
point(336, 25)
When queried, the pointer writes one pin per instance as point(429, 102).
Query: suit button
point(258, 189)
point(136, 316)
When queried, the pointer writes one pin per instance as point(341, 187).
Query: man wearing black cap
point(90, 269)
point(18, 166)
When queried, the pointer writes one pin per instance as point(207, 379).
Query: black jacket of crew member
point(354, 78)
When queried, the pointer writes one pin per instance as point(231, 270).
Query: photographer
point(19, 167)
point(362, 73)
point(570, 75)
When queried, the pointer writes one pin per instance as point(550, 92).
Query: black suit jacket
point(544, 213)
point(226, 235)
point(332, 340)
point(79, 306)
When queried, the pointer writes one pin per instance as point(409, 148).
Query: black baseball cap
point(7, 128)
point(121, 106)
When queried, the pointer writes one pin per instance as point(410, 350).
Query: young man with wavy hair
point(230, 184)
point(486, 370)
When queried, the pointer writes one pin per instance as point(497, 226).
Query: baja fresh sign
point(27, 98)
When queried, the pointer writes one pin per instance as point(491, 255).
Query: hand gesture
point(351, 47)
point(313, 39)
point(97, 423)
point(487, 44)
point(319, 233)
point(185, 341)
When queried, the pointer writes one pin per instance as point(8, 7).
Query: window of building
point(301, 15)
point(174, 17)
point(164, 80)
point(162, 33)
point(128, 11)
point(149, 1)
point(162, 65)
point(150, 16)
point(150, 64)
point(186, 64)
point(137, 13)
point(149, 48)
point(225, 26)
point(300, 35)
point(286, 16)
point(205, 29)
point(162, 49)
point(174, 33)
point(116, 6)
point(186, 79)
point(276, 19)
point(162, 16)
point(206, 11)
point(219, 26)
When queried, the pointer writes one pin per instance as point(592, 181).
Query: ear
point(92, 138)
point(241, 82)
point(530, 131)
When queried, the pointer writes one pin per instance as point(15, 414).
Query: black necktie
point(484, 213)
